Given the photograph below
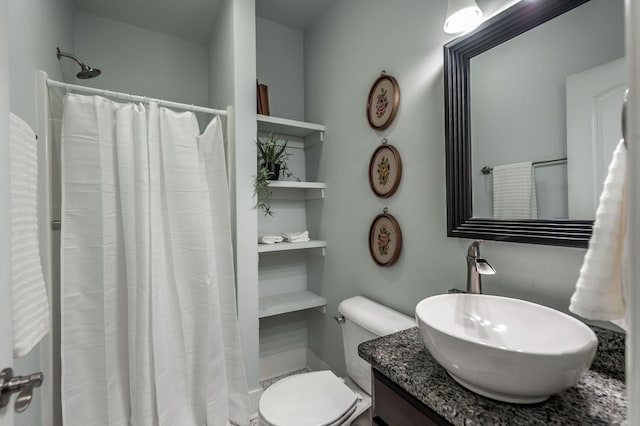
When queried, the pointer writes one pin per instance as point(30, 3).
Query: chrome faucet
point(476, 266)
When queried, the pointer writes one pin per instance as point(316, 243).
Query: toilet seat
point(319, 398)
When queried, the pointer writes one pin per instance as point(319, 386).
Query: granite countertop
point(599, 398)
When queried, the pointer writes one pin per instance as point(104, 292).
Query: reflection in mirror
point(545, 116)
point(581, 111)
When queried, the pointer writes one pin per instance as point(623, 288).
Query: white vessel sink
point(506, 349)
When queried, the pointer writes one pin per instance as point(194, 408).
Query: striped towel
point(30, 304)
point(269, 239)
point(296, 237)
point(514, 192)
point(600, 290)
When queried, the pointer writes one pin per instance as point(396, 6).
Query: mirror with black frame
point(532, 115)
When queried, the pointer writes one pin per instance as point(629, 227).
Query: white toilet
point(320, 398)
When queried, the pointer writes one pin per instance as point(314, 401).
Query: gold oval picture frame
point(383, 102)
point(385, 240)
point(385, 170)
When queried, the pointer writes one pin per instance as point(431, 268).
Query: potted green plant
point(271, 162)
point(272, 156)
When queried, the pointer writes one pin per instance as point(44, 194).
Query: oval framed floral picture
point(385, 240)
point(383, 102)
point(385, 170)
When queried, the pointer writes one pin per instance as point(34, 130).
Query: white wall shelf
point(284, 126)
point(290, 302)
point(309, 190)
point(284, 267)
point(277, 247)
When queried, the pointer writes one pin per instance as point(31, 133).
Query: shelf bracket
point(321, 309)
point(313, 193)
point(314, 139)
point(319, 251)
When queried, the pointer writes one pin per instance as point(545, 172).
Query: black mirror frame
point(510, 23)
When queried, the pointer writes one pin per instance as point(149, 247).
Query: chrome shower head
point(85, 71)
point(88, 72)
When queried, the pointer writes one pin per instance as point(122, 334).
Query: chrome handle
point(339, 320)
point(10, 384)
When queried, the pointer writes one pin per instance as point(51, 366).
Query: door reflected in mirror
point(545, 116)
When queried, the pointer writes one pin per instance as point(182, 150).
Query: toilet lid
point(318, 398)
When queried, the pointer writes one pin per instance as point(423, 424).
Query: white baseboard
point(254, 399)
point(282, 363)
point(315, 363)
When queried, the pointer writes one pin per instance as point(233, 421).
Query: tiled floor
point(268, 382)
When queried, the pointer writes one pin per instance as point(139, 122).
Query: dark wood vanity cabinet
point(393, 406)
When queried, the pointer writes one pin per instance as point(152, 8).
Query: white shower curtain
point(149, 326)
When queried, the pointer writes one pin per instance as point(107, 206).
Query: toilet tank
point(366, 320)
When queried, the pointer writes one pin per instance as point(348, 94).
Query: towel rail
point(486, 169)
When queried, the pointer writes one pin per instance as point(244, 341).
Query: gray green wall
point(280, 65)
point(6, 351)
point(35, 28)
point(221, 77)
point(345, 50)
point(143, 62)
point(232, 79)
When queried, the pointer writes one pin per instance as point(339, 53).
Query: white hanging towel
point(269, 239)
point(514, 192)
point(600, 290)
point(30, 304)
point(296, 237)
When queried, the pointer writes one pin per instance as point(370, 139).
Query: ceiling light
point(462, 15)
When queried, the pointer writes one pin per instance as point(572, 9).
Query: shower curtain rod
point(134, 98)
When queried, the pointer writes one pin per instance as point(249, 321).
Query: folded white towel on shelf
point(269, 239)
point(514, 191)
point(30, 303)
point(600, 289)
point(296, 237)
